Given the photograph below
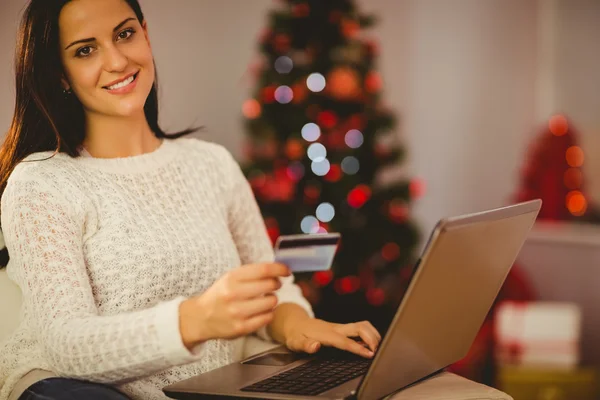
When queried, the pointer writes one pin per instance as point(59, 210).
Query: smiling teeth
point(122, 84)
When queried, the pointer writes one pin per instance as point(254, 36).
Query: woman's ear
point(65, 84)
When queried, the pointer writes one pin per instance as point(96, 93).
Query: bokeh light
point(311, 132)
point(325, 212)
point(574, 156)
point(354, 138)
point(284, 65)
point(284, 94)
point(573, 178)
point(315, 82)
point(316, 152)
point(558, 125)
point(576, 203)
point(309, 224)
point(350, 165)
point(320, 168)
point(251, 109)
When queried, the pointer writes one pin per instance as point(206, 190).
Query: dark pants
point(70, 389)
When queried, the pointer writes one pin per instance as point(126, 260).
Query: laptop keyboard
point(312, 378)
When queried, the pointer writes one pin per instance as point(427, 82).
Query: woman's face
point(106, 56)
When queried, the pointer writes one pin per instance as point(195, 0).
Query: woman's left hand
point(310, 334)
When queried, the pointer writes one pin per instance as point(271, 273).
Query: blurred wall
point(462, 76)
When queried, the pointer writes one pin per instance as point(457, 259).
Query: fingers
point(342, 342)
point(249, 290)
point(365, 331)
point(254, 323)
point(303, 344)
point(252, 272)
point(249, 308)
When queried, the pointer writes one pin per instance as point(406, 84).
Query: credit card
point(308, 252)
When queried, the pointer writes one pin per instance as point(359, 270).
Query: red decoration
point(349, 28)
point(322, 278)
point(334, 174)
point(376, 296)
point(311, 194)
point(417, 188)
point(300, 92)
point(356, 121)
point(373, 82)
point(294, 149)
point(390, 252)
point(251, 109)
point(335, 139)
point(398, 211)
point(268, 94)
point(552, 172)
point(281, 42)
point(372, 48)
point(265, 35)
point(558, 125)
point(343, 84)
point(300, 10)
point(574, 156)
point(347, 285)
point(359, 196)
point(327, 119)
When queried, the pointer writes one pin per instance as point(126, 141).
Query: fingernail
point(314, 346)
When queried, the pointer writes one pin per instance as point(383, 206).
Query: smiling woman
point(140, 255)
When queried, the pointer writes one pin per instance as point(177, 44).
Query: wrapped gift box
point(523, 383)
point(538, 334)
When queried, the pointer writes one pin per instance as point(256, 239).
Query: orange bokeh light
point(558, 125)
point(576, 203)
point(574, 156)
point(573, 178)
point(251, 109)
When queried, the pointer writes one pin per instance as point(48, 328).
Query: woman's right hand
point(239, 303)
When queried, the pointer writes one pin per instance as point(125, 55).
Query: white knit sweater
point(104, 251)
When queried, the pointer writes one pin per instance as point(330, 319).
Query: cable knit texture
point(105, 250)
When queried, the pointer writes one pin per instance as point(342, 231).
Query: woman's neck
point(110, 137)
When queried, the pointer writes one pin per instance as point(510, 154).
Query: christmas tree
point(322, 155)
point(553, 172)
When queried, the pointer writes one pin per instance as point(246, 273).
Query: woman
point(140, 255)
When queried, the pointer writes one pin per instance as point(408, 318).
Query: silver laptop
point(460, 273)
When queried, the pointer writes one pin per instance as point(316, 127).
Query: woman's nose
point(114, 60)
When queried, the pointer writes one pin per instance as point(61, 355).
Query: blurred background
point(419, 109)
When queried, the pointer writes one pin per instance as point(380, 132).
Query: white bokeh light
point(316, 152)
point(309, 224)
point(315, 82)
point(354, 138)
point(320, 168)
point(350, 165)
point(284, 64)
point(311, 132)
point(284, 94)
point(325, 212)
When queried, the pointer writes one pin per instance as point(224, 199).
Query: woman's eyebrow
point(116, 28)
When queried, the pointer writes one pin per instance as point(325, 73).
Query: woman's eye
point(126, 34)
point(84, 51)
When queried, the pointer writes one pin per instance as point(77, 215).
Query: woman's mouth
point(125, 86)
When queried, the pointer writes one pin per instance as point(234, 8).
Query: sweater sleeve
point(251, 238)
point(44, 231)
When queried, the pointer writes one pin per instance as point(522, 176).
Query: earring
point(67, 92)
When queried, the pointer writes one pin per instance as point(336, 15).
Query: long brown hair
point(45, 118)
